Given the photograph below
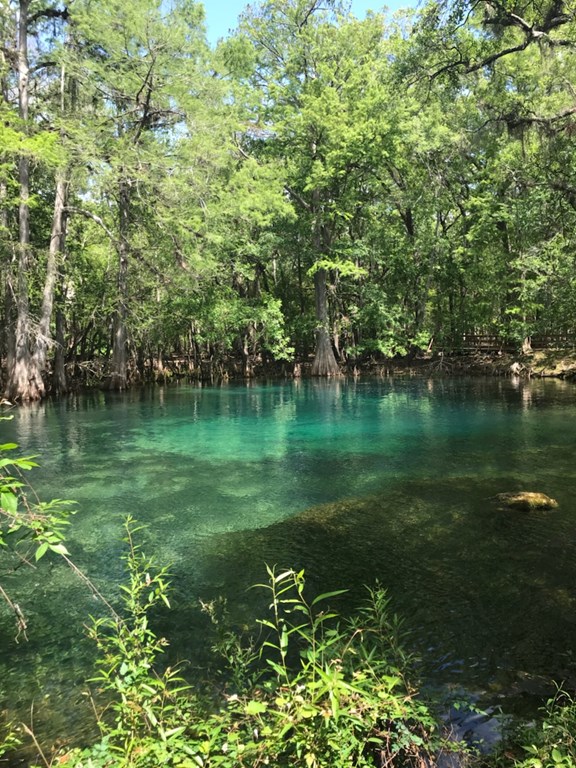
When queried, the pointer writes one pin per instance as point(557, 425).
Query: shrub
point(329, 692)
point(552, 742)
point(315, 690)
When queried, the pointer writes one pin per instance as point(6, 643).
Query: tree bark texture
point(324, 361)
point(59, 380)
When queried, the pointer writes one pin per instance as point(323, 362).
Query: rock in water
point(526, 500)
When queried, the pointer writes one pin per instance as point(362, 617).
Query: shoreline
point(555, 364)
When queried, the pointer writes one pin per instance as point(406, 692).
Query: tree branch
point(498, 16)
point(116, 240)
point(49, 13)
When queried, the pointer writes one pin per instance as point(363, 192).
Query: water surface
point(387, 480)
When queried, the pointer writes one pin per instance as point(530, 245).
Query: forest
point(315, 188)
point(313, 193)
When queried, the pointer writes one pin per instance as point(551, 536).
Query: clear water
point(354, 481)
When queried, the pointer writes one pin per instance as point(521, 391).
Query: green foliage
point(41, 523)
point(551, 743)
point(29, 528)
point(424, 164)
point(344, 268)
point(8, 742)
point(327, 693)
point(144, 722)
point(272, 324)
point(312, 691)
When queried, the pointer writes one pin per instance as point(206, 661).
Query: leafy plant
point(241, 669)
point(314, 690)
point(29, 528)
point(330, 693)
point(148, 714)
point(552, 742)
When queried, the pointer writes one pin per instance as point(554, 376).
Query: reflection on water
point(355, 481)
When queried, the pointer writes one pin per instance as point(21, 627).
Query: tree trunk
point(24, 377)
point(59, 382)
point(57, 239)
point(8, 316)
point(6, 251)
point(324, 361)
point(55, 251)
point(9, 328)
point(119, 364)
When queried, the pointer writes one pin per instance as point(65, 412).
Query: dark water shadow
point(488, 595)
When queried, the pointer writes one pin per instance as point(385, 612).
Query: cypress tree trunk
point(57, 238)
point(59, 381)
point(24, 377)
point(8, 313)
point(324, 361)
point(6, 327)
point(55, 254)
point(118, 366)
point(28, 349)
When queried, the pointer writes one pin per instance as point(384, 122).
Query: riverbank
point(559, 364)
point(94, 375)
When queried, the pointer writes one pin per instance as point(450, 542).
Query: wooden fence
point(487, 342)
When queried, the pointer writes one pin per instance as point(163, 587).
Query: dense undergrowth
point(306, 687)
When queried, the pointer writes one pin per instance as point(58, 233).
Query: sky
point(222, 15)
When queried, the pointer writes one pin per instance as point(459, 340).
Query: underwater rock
point(481, 730)
point(526, 500)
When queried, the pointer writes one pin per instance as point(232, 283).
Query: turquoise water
point(388, 479)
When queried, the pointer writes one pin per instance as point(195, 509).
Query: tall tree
point(323, 94)
point(512, 77)
point(27, 336)
point(141, 69)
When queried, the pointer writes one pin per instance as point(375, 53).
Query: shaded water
point(355, 481)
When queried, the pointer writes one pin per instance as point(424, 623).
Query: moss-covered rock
point(526, 500)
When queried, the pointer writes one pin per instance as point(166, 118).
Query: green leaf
point(60, 549)
point(266, 623)
point(327, 595)
point(255, 707)
point(41, 551)
point(174, 731)
point(25, 463)
point(284, 575)
point(9, 502)
point(284, 638)
point(307, 711)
